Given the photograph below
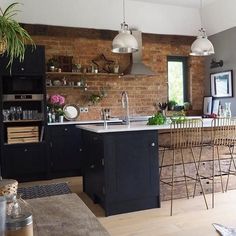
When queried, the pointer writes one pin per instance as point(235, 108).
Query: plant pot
point(171, 107)
point(61, 119)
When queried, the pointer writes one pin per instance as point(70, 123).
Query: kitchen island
point(121, 167)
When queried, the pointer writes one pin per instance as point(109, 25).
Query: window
point(177, 79)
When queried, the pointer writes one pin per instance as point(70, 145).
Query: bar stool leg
point(213, 176)
point(184, 170)
point(198, 167)
point(172, 186)
point(221, 178)
point(231, 150)
point(198, 178)
point(162, 161)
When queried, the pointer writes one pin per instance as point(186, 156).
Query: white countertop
point(134, 126)
point(80, 122)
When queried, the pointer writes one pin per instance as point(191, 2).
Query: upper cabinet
point(33, 64)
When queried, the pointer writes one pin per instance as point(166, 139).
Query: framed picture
point(207, 106)
point(222, 84)
point(215, 106)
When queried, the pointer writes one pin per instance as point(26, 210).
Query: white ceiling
point(177, 17)
point(182, 3)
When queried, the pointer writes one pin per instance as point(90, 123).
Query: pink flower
point(57, 99)
point(61, 100)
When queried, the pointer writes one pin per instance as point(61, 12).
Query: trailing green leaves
point(16, 36)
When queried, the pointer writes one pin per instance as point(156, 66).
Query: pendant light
point(202, 45)
point(124, 42)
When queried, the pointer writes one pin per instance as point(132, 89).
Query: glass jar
point(2, 214)
point(18, 222)
point(20, 225)
point(228, 109)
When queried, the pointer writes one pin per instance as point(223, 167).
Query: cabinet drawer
point(62, 130)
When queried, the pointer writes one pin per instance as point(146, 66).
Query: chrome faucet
point(125, 105)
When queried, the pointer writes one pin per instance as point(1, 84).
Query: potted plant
point(12, 36)
point(52, 64)
point(187, 106)
point(60, 114)
point(171, 105)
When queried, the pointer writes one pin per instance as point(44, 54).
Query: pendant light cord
point(124, 11)
point(201, 14)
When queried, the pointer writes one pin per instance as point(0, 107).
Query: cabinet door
point(33, 64)
point(93, 166)
point(131, 165)
point(24, 160)
point(65, 148)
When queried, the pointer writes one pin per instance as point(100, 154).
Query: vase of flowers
point(55, 104)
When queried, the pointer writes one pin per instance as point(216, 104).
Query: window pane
point(176, 81)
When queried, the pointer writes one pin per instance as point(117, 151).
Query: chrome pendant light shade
point(124, 42)
point(202, 45)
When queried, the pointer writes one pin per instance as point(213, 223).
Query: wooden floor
point(190, 216)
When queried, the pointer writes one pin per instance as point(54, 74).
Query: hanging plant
point(12, 36)
point(96, 98)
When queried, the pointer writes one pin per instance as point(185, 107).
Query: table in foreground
point(64, 215)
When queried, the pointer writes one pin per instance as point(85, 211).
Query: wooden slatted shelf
point(26, 134)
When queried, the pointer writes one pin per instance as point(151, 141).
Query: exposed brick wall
point(86, 44)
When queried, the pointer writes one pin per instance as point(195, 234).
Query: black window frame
point(184, 61)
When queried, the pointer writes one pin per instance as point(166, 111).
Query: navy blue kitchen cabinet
point(64, 150)
point(33, 64)
point(25, 161)
point(23, 154)
point(120, 170)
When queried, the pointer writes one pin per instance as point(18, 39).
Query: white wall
point(107, 14)
point(219, 16)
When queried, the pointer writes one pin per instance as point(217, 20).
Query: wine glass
point(6, 114)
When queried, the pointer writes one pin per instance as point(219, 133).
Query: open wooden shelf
point(80, 73)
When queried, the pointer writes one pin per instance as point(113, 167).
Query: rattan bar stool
point(227, 137)
point(185, 134)
point(223, 133)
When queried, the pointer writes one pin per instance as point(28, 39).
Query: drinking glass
point(2, 215)
point(19, 113)
point(13, 113)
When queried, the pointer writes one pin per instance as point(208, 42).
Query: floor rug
point(43, 190)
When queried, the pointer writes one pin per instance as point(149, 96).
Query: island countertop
point(84, 122)
point(134, 126)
